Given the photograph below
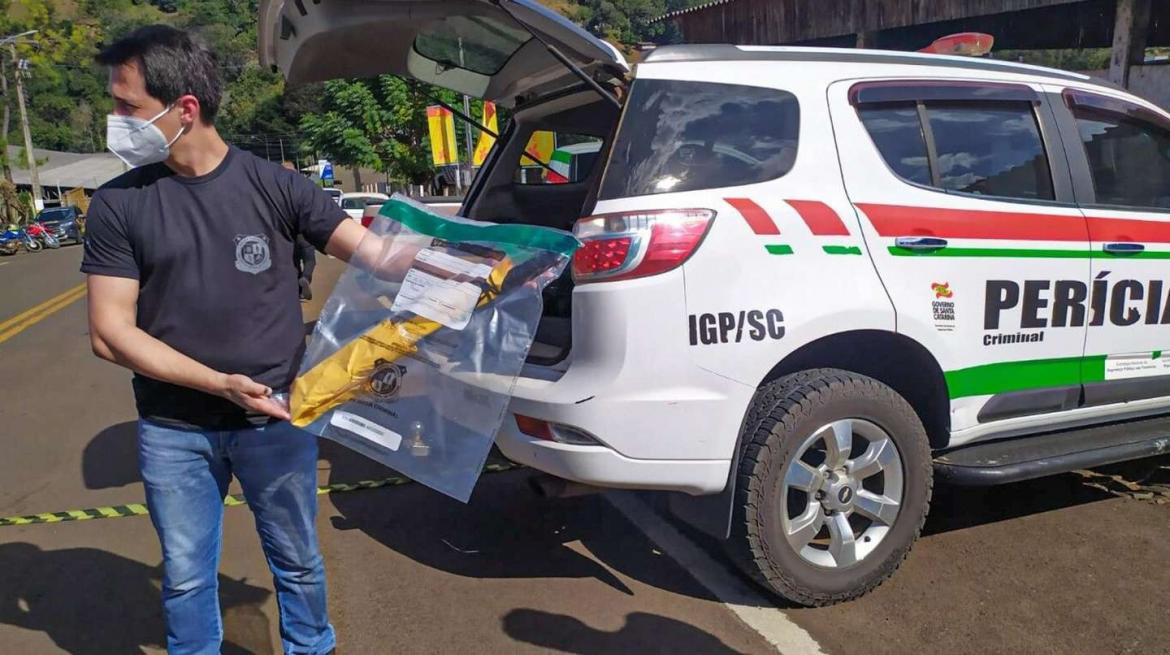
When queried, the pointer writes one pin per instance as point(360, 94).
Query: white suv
point(812, 280)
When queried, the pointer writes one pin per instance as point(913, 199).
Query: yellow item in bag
point(345, 374)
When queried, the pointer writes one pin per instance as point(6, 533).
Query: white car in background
point(355, 203)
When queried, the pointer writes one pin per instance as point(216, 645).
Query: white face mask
point(136, 141)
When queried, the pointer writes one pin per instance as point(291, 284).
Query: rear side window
point(897, 133)
point(989, 148)
point(1129, 157)
point(685, 136)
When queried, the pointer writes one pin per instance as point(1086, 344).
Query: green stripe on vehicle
point(842, 250)
point(1003, 377)
point(1049, 253)
point(779, 249)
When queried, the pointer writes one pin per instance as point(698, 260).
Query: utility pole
point(467, 141)
point(19, 68)
point(5, 123)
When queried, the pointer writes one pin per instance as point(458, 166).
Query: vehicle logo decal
point(757, 219)
point(735, 327)
point(942, 307)
point(819, 217)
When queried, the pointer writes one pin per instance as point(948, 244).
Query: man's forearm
point(136, 350)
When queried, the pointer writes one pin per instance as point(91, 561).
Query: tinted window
point(476, 43)
point(353, 203)
point(683, 136)
point(897, 133)
point(61, 214)
point(1129, 159)
point(990, 149)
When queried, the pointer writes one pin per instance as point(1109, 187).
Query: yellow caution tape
point(233, 500)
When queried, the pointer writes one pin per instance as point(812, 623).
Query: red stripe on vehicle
point(899, 221)
point(1128, 230)
point(756, 217)
point(819, 217)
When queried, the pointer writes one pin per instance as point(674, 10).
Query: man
point(189, 258)
point(305, 263)
point(304, 258)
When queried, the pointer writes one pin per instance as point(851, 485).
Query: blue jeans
point(186, 474)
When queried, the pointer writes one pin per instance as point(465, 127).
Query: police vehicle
point(813, 280)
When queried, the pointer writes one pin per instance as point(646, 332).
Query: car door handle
point(920, 243)
point(1123, 248)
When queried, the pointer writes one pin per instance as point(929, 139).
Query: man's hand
point(252, 396)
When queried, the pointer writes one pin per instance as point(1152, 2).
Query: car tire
point(780, 448)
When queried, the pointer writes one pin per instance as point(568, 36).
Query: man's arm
point(116, 337)
point(356, 245)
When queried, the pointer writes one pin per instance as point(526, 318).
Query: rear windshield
point(476, 43)
point(684, 136)
point(55, 214)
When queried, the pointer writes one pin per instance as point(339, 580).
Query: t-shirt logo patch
point(252, 254)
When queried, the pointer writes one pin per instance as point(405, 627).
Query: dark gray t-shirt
point(213, 256)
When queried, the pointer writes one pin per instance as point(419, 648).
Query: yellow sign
point(77, 198)
point(484, 145)
point(540, 148)
point(441, 122)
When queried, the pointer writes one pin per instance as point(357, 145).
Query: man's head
point(161, 70)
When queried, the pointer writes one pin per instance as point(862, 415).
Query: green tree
point(377, 123)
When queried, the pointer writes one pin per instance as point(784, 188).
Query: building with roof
point(61, 171)
point(1128, 27)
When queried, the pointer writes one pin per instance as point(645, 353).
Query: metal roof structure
point(720, 52)
point(65, 169)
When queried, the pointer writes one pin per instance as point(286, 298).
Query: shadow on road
point(504, 532)
point(92, 602)
point(111, 458)
point(957, 508)
point(642, 633)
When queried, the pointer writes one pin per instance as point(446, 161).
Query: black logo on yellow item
point(386, 380)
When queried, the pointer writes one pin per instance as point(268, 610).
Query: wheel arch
point(895, 360)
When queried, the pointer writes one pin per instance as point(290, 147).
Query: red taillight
point(367, 219)
point(597, 256)
point(534, 427)
point(637, 244)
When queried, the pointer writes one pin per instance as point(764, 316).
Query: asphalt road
point(1055, 565)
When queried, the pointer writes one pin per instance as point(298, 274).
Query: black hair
point(173, 63)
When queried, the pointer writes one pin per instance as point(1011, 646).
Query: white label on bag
point(367, 429)
point(454, 264)
point(446, 302)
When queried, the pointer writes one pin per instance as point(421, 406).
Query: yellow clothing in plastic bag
point(345, 374)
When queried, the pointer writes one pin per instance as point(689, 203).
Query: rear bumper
point(603, 467)
point(660, 421)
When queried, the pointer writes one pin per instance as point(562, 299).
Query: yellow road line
point(26, 319)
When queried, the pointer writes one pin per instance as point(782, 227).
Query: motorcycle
point(36, 236)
